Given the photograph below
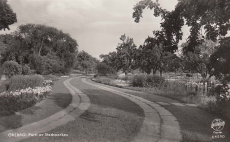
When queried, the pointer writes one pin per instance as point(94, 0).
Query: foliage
point(43, 48)
point(86, 62)
point(26, 70)
point(199, 60)
point(11, 68)
point(104, 80)
point(25, 81)
point(104, 69)
point(111, 60)
point(153, 56)
point(125, 54)
point(220, 59)
point(210, 15)
point(50, 77)
point(147, 81)
point(7, 16)
point(20, 99)
point(222, 103)
point(138, 81)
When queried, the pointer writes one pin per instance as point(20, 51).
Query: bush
point(104, 80)
point(104, 69)
point(154, 81)
point(11, 68)
point(26, 70)
point(222, 95)
point(147, 81)
point(21, 82)
point(12, 103)
point(138, 80)
point(50, 77)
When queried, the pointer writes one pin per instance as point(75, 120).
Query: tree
point(111, 60)
point(7, 16)
point(125, 54)
point(220, 59)
point(35, 44)
point(85, 62)
point(199, 60)
point(153, 56)
point(210, 17)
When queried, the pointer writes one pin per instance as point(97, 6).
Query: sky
point(96, 25)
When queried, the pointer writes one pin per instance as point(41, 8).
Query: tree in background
point(104, 69)
point(211, 16)
point(7, 16)
point(125, 54)
point(199, 60)
point(152, 56)
point(85, 62)
point(44, 49)
point(111, 61)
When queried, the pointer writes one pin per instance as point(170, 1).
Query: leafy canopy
point(44, 48)
point(211, 16)
point(7, 16)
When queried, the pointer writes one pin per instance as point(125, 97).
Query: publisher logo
point(217, 125)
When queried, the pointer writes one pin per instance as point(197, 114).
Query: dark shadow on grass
point(89, 116)
point(30, 110)
point(10, 122)
point(61, 99)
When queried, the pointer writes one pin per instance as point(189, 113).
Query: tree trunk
point(161, 73)
point(126, 74)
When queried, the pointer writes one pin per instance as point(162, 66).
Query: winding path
point(159, 124)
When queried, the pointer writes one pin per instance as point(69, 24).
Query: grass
point(3, 84)
point(98, 124)
point(189, 136)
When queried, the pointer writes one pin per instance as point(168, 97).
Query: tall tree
point(7, 16)
point(207, 19)
point(125, 54)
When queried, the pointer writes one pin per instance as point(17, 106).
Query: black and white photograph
point(114, 70)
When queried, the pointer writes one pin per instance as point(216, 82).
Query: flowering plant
point(48, 82)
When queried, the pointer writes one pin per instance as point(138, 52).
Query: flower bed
point(12, 101)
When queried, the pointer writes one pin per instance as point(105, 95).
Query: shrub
point(147, 81)
point(26, 70)
point(21, 82)
point(104, 69)
point(11, 68)
point(154, 81)
point(13, 103)
point(138, 80)
point(104, 80)
point(222, 94)
point(50, 77)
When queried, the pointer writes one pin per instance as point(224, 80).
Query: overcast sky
point(96, 24)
